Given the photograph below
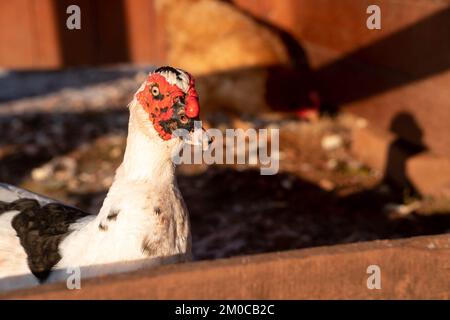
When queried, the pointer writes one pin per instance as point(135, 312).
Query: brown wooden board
point(414, 268)
point(16, 33)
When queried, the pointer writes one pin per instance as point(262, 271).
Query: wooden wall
point(397, 77)
point(33, 33)
point(28, 34)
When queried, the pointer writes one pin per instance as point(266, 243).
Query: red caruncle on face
point(168, 107)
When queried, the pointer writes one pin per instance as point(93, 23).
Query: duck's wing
point(10, 193)
point(40, 224)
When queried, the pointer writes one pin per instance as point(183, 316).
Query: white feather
point(173, 79)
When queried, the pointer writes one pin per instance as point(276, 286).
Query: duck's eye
point(155, 91)
point(184, 119)
point(182, 116)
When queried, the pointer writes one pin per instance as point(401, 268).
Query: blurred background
point(364, 115)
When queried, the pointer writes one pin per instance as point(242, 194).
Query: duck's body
point(143, 216)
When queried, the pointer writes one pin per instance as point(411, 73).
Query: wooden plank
point(45, 42)
point(77, 47)
point(145, 32)
point(16, 34)
point(414, 268)
point(111, 43)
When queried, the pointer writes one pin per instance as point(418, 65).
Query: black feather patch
point(169, 69)
point(40, 230)
point(112, 215)
point(102, 227)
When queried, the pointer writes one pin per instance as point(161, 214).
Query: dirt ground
point(67, 143)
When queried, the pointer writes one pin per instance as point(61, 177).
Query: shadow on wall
point(289, 87)
point(403, 124)
point(418, 51)
point(101, 40)
point(411, 54)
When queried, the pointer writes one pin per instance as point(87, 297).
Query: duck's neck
point(146, 165)
point(146, 159)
